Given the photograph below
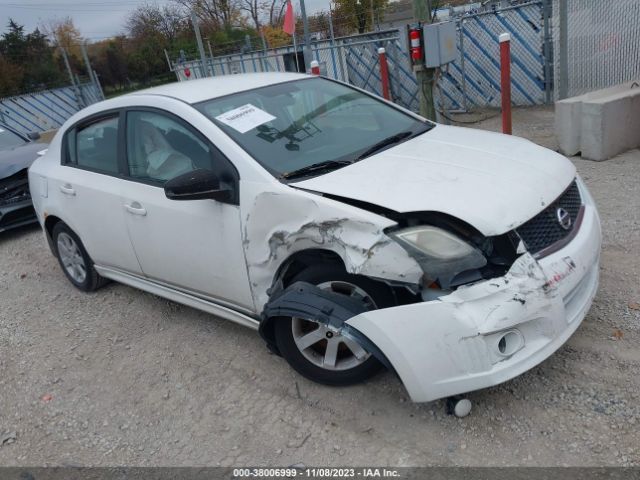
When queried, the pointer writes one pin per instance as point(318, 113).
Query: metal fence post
point(464, 73)
point(85, 57)
point(546, 15)
point(203, 58)
point(563, 24)
point(98, 84)
point(384, 72)
point(76, 89)
point(213, 68)
point(505, 81)
point(332, 39)
point(265, 65)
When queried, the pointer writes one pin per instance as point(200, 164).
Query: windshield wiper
point(386, 142)
point(317, 167)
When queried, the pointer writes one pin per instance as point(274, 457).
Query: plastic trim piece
point(306, 301)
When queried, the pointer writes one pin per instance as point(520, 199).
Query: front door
point(193, 245)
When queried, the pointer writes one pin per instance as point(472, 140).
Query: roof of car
point(194, 91)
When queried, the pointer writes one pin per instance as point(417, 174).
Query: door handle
point(67, 190)
point(135, 208)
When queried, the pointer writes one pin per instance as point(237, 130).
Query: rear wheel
point(320, 353)
point(74, 260)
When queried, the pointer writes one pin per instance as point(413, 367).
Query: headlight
point(441, 254)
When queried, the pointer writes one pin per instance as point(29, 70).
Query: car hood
point(492, 181)
point(19, 158)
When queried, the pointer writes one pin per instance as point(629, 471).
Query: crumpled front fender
point(279, 224)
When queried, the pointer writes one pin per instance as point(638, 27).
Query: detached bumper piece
point(16, 208)
point(308, 302)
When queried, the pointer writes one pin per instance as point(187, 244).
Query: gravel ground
point(121, 377)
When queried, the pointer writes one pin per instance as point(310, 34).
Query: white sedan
point(350, 232)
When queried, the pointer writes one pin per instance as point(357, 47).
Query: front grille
point(545, 229)
point(14, 189)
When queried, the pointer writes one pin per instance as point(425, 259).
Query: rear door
point(89, 189)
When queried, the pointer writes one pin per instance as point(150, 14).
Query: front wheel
point(320, 353)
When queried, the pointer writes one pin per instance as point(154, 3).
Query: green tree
point(27, 61)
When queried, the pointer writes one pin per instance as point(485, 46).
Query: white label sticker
point(245, 118)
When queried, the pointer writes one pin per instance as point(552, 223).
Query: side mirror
point(33, 136)
point(199, 184)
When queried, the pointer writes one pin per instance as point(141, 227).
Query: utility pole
point(307, 40)
point(422, 13)
point(203, 58)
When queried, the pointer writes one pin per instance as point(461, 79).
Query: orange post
point(384, 73)
point(505, 81)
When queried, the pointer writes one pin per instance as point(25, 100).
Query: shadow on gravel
point(17, 233)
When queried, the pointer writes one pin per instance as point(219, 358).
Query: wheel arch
point(49, 223)
point(298, 261)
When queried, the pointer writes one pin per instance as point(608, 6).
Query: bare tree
point(276, 11)
point(215, 14)
point(152, 20)
point(254, 8)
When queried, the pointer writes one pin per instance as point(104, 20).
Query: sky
point(96, 19)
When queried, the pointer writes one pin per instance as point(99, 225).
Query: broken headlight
point(442, 255)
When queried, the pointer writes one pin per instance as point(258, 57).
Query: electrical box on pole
point(439, 41)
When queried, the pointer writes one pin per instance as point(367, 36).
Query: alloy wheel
point(71, 257)
point(324, 346)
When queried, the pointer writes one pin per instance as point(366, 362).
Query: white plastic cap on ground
point(462, 408)
point(505, 37)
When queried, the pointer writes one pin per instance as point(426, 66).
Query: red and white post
point(384, 73)
point(315, 67)
point(505, 81)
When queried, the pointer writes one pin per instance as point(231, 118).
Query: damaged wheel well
point(297, 262)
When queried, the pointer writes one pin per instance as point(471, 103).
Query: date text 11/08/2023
point(318, 472)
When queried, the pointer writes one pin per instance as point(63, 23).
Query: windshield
point(293, 125)
point(9, 139)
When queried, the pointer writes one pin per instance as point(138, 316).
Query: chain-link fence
point(596, 44)
point(472, 80)
point(46, 109)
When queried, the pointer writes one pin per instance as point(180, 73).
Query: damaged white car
point(351, 232)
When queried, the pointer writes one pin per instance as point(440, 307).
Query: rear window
point(95, 146)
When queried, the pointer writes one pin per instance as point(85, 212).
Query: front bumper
point(13, 215)
point(453, 345)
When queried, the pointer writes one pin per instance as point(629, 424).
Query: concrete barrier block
point(610, 125)
point(568, 117)
point(567, 126)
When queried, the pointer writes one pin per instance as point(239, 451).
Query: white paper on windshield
point(245, 118)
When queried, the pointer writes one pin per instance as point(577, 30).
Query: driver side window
point(160, 148)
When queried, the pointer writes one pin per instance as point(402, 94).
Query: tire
point(310, 362)
point(74, 259)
